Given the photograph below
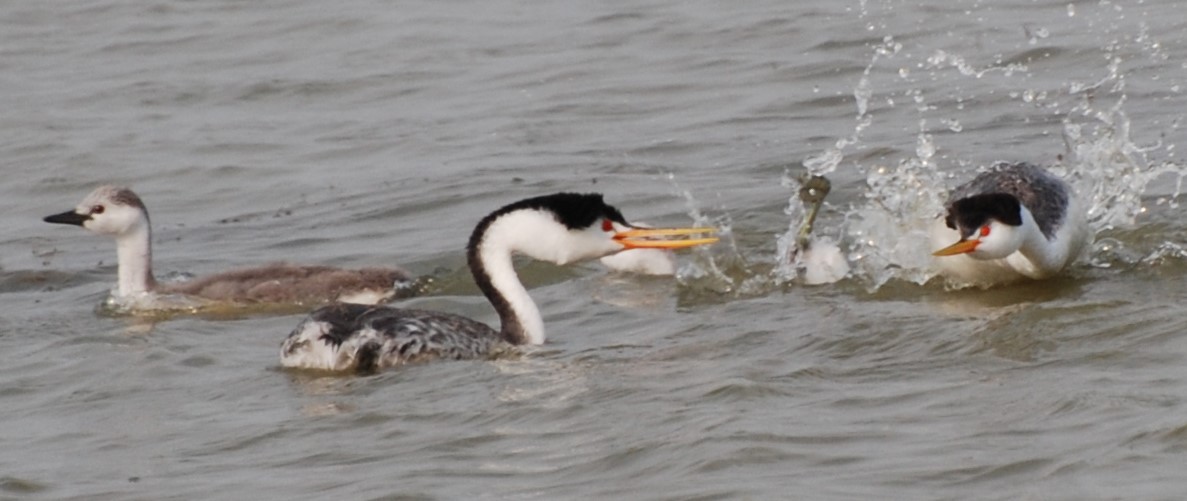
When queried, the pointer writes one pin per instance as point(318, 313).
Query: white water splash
point(886, 233)
point(940, 59)
point(710, 268)
point(827, 161)
point(823, 262)
point(826, 266)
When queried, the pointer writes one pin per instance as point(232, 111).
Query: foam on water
point(887, 233)
point(152, 304)
point(720, 271)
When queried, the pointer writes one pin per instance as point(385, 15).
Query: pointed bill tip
point(68, 217)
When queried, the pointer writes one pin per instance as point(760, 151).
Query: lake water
point(374, 133)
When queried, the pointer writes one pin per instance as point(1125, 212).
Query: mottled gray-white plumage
point(367, 338)
point(1043, 194)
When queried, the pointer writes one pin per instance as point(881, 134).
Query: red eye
point(607, 225)
point(984, 231)
point(98, 209)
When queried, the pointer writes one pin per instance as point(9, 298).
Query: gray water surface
point(376, 133)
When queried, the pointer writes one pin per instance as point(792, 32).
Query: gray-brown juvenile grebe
point(118, 212)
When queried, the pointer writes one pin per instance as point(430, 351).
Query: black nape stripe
point(574, 210)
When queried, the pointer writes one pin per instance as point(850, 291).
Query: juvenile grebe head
point(109, 210)
point(118, 212)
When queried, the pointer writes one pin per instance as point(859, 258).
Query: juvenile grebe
point(560, 228)
point(1014, 221)
point(119, 212)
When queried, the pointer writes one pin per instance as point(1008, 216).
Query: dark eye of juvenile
point(98, 209)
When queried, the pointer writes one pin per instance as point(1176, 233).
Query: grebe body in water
point(120, 213)
point(560, 228)
point(1012, 222)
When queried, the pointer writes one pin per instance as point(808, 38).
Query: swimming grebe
point(116, 211)
point(560, 228)
point(1011, 222)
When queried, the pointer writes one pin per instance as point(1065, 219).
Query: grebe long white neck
point(490, 261)
point(115, 211)
point(536, 233)
point(134, 258)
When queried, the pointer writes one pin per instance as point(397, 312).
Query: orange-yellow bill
point(645, 238)
point(961, 247)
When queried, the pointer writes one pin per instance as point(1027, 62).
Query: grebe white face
point(565, 228)
point(994, 240)
point(991, 226)
point(107, 211)
point(539, 236)
point(112, 218)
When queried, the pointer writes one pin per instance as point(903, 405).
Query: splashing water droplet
point(925, 148)
point(862, 94)
point(824, 162)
